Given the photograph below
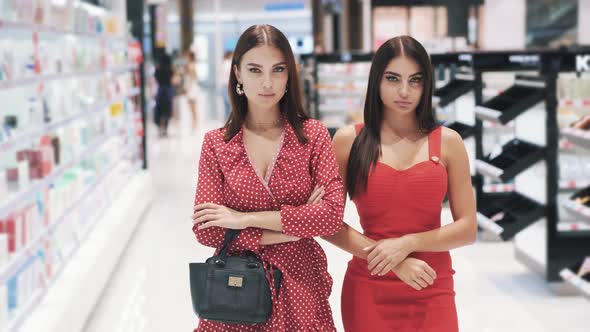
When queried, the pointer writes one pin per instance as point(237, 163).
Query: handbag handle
point(230, 236)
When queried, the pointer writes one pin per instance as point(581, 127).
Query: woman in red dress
point(397, 168)
point(271, 171)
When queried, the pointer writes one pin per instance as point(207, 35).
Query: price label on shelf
point(488, 224)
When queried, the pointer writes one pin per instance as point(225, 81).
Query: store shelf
point(29, 136)
point(91, 266)
point(9, 84)
point(323, 108)
point(582, 285)
point(573, 184)
point(451, 91)
point(499, 188)
point(509, 104)
point(516, 156)
point(27, 253)
point(573, 229)
point(4, 24)
point(530, 248)
point(578, 210)
point(26, 310)
point(464, 130)
point(579, 137)
point(340, 94)
point(342, 76)
point(26, 194)
point(575, 102)
point(505, 214)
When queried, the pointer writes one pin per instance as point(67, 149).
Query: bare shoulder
point(344, 136)
point(453, 146)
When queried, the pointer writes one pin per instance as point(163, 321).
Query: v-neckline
point(265, 178)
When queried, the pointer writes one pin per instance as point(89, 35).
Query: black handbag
point(232, 289)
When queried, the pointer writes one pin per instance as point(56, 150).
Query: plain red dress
point(399, 202)
point(227, 177)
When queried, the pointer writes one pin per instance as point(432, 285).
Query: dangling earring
point(286, 90)
point(240, 89)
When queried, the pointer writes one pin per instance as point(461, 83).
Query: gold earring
point(240, 89)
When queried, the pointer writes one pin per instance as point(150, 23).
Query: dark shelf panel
point(505, 214)
point(464, 130)
point(451, 91)
point(509, 104)
point(516, 156)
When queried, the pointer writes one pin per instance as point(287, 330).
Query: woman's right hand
point(416, 273)
point(316, 195)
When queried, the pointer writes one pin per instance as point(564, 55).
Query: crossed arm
point(391, 255)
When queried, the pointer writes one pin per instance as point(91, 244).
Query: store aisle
point(149, 292)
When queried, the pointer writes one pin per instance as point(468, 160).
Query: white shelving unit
point(107, 176)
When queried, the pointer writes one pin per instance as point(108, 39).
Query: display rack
point(335, 86)
point(510, 214)
point(90, 145)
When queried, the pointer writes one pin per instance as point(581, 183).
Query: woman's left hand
point(386, 254)
point(209, 214)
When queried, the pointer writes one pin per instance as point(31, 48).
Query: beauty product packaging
point(23, 174)
point(3, 250)
point(3, 184)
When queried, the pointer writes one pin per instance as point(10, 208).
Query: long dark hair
point(366, 148)
point(290, 104)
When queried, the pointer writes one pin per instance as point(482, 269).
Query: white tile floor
point(149, 291)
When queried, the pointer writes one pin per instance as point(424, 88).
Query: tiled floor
point(149, 292)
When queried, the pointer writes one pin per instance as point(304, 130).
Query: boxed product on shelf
point(4, 254)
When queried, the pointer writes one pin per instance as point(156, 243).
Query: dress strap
point(434, 144)
point(358, 127)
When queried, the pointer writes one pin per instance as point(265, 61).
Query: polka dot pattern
point(226, 177)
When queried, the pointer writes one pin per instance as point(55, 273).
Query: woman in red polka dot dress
point(271, 171)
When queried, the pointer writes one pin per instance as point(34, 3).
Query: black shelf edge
point(486, 111)
point(512, 205)
point(451, 91)
point(484, 167)
point(577, 136)
point(574, 234)
point(581, 285)
point(464, 130)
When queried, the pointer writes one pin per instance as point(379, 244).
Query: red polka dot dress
point(227, 177)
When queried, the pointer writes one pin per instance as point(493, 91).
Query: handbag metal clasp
point(235, 281)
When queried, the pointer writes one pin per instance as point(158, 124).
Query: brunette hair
point(366, 148)
point(290, 105)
